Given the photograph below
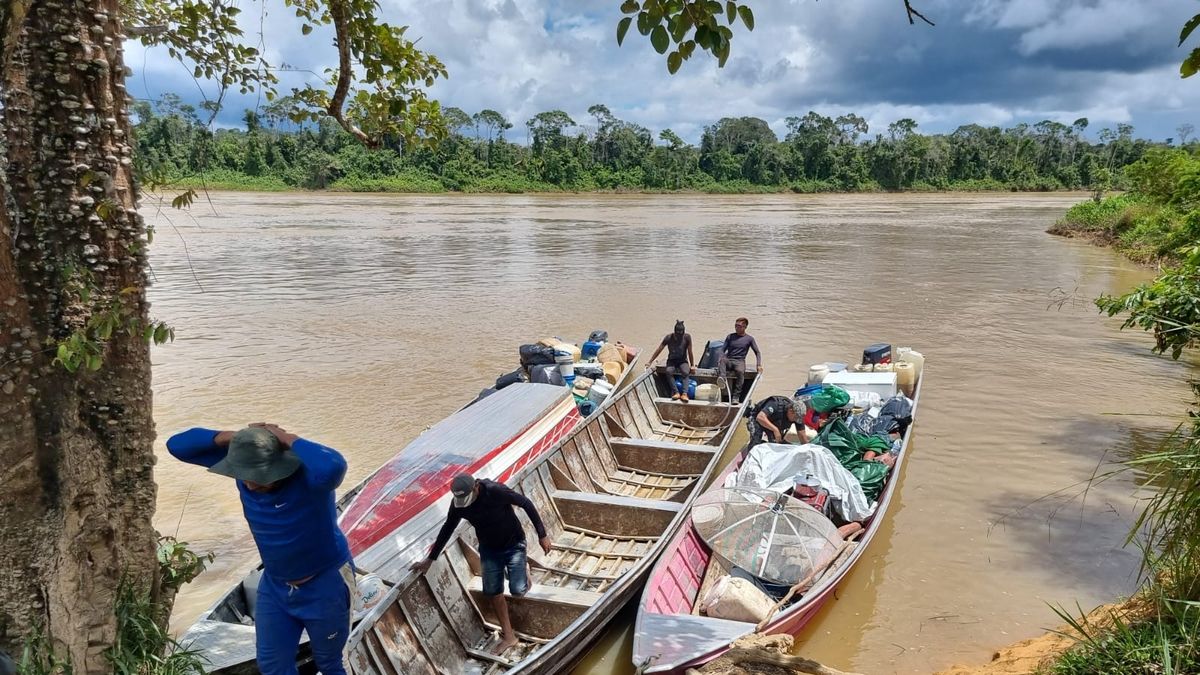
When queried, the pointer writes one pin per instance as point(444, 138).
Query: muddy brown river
point(361, 320)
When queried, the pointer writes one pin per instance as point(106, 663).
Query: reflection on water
point(361, 320)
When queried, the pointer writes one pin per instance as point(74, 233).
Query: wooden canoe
point(611, 494)
point(404, 501)
point(670, 635)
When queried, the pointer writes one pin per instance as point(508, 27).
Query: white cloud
point(994, 62)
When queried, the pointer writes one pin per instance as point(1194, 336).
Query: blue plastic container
point(590, 349)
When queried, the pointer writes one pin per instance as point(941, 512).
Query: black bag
point(536, 355)
point(514, 377)
point(546, 374)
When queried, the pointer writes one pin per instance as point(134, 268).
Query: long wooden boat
point(670, 634)
point(403, 502)
point(611, 495)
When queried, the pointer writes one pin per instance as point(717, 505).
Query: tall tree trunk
point(76, 457)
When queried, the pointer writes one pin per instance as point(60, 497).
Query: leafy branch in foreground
point(688, 24)
point(1168, 307)
point(376, 91)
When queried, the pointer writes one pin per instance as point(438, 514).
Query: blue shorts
point(498, 562)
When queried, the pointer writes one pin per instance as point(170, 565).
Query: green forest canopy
point(818, 153)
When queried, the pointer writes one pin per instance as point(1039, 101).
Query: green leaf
point(629, 7)
point(94, 362)
point(674, 60)
point(1191, 64)
point(306, 29)
point(1188, 28)
point(660, 39)
point(643, 23)
point(747, 17)
point(731, 11)
point(623, 28)
point(161, 333)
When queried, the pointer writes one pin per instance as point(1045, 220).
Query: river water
point(361, 320)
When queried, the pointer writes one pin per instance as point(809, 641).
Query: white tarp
point(774, 466)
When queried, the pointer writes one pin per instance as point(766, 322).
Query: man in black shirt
point(488, 506)
point(679, 359)
point(773, 417)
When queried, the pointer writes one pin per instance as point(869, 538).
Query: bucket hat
point(255, 455)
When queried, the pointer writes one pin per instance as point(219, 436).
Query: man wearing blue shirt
point(286, 485)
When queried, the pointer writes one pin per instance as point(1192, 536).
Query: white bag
point(736, 599)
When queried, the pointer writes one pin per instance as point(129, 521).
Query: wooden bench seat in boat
point(661, 458)
point(543, 612)
point(614, 515)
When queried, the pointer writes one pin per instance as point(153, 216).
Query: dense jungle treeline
point(818, 154)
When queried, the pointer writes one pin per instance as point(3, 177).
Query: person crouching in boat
point(286, 485)
point(680, 360)
point(488, 506)
point(771, 418)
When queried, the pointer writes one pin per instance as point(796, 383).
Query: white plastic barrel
point(565, 361)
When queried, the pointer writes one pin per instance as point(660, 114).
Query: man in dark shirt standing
point(733, 357)
point(679, 359)
point(488, 506)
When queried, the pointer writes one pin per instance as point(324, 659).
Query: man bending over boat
point(679, 359)
point(772, 418)
point(286, 484)
point(488, 506)
point(738, 345)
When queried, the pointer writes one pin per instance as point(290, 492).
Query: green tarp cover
point(849, 447)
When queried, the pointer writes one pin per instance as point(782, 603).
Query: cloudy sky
point(992, 62)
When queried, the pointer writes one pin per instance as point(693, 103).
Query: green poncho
point(849, 447)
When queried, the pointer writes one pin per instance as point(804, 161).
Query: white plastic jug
point(906, 377)
point(910, 355)
point(708, 392)
point(817, 373)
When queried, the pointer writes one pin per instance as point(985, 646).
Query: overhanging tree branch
point(339, 12)
point(913, 12)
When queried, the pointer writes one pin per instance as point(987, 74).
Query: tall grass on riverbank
point(1157, 221)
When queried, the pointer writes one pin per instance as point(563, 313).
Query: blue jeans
point(320, 605)
point(498, 562)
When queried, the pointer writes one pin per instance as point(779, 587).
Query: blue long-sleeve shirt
point(295, 526)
